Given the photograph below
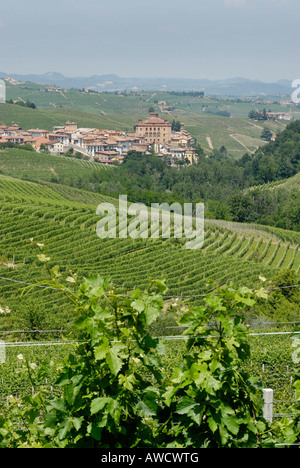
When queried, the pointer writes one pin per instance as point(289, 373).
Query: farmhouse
point(279, 116)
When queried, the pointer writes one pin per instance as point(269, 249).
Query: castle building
point(71, 127)
point(154, 130)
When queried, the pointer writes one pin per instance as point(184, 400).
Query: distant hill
point(232, 86)
point(46, 119)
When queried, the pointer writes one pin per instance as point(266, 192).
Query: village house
point(71, 127)
point(106, 157)
point(11, 130)
point(36, 132)
point(279, 116)
point(53, 89)
point(54, 146)
point(109, 146)
point(191, 155)
point(60, 136)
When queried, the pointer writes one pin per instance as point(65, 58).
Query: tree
point(266, 135)
point(176, 126)
point(241, 207)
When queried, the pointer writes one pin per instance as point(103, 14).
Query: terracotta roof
point(107, 153)
point(42, 141)
point(110, 141)
point(58, 135)
point(37, 130)
point(155, 121)
point(29, 139)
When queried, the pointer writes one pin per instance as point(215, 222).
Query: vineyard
point(64, 220)
point(41, 168)
point(120, 379)
point(274, 369)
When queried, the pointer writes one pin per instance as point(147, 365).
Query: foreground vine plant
point(115, 392)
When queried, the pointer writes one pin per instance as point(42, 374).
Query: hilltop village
point(109, 146)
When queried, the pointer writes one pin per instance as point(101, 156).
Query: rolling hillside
point(202, 116)
point(292, 183)
point(238, 135)
point(64, 219)
point(34, 118)
point(39, 167)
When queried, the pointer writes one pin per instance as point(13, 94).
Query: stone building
point(154, 130)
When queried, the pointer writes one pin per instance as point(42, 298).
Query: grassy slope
point(47, 119)
point(237, 133)
point(293, 183)
point(65, 218)
point(41, 167)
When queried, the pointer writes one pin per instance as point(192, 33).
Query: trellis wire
point(165, 297)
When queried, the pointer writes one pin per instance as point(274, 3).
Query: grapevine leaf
point(102, 350)
point(232, 423)
point(113, 360)
point(185, 405)
point(212, 424)
point(215, 303)
point(99, 403)
point(153, 308)
point(65, 427)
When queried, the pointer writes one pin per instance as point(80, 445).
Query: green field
point(121, 112)
point(41, 167)
point(64, 219)
point(48, 206)
point(293, 183)
point(47, 119)
point(238, 135)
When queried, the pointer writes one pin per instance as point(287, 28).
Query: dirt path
point(153, 95)
point(242, 144)
point(208, 139)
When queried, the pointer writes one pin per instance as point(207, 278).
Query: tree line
point(219, 181)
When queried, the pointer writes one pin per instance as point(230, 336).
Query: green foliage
point(241, 207)
point(176, 125)
point(22, 103)
point(266, 135)
point(106, 392)
point(277, 160)
point(115, 392)
point(284, 301)
point(258, 115)
point(215, 404)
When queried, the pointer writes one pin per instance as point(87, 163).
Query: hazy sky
point(214, 39)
